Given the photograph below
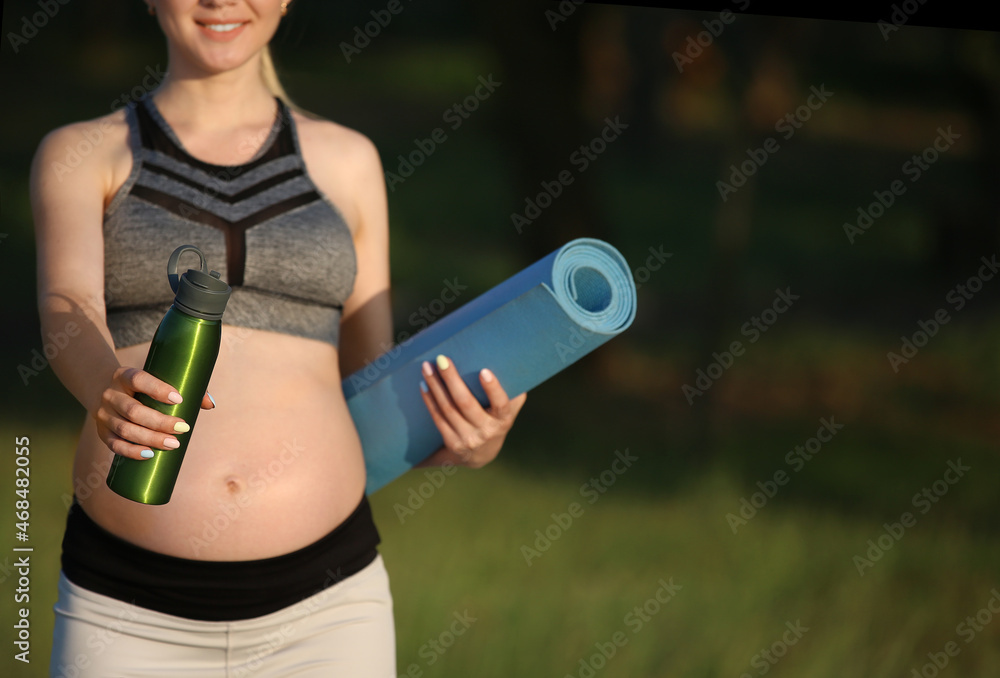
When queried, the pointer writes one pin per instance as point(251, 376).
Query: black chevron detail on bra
point(235, 230)
point(154, 138)
point(231, 199)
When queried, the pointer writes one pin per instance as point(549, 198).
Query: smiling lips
point(220, 31)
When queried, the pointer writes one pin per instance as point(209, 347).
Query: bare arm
point(67, 208)
point(472, 435)
point(366, 324)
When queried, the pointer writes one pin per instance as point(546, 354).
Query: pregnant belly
point(276, 466)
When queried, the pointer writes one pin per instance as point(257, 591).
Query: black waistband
point(97, 560)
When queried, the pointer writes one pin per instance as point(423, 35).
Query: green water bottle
point(183, 353)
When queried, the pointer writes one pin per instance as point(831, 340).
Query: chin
point(214, 64)
point(216, 51)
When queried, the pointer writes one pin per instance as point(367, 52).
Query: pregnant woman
point(264, 561)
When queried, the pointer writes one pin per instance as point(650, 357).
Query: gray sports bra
point(281, 244)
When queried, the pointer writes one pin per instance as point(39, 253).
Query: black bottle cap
point(199, 292)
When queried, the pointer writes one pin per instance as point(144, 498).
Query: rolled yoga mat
point(526, 329)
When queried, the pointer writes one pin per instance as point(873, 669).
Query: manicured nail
point(486, 374)
point(212, 399)
point(146, 454)
point(171, 443)
point(428, 370)
point(181, 427)
point(175, 398)
point(442, 362)
point(423, 386)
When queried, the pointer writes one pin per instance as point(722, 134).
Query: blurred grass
point(663, 519)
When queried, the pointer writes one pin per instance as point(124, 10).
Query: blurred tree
point(965, 230)
point(542, 119)
point(758, 75)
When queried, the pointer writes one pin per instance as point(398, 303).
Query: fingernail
point(146, 454)
point(175, 398)
point(428, 370)
point(442, 362)
point(212, 399)
point(181, 427)
point(423, 386)
point(171, 443)
point(487, 375)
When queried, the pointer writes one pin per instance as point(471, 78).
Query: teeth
point(222, 28)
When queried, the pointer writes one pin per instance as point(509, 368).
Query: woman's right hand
point(130, 428)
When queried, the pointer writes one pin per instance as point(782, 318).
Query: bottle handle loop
point(172, 276)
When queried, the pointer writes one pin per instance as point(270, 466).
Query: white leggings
point(344, 630)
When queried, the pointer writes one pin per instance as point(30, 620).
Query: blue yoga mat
point(526, 329)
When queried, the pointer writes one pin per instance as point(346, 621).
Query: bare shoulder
point(91, 152)
point(341, 161)
point(332, 140)
point(72, 174)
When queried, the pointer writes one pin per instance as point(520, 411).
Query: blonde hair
point(273, 84)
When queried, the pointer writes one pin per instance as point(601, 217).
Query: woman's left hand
point(472, 434)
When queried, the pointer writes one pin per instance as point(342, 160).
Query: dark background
point(653, 189)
